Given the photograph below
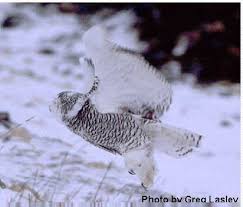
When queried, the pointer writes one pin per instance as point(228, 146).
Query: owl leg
point(140, 161)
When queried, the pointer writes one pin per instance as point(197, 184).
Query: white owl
point(120, 111)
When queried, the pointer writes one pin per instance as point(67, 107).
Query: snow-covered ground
point(38, 59)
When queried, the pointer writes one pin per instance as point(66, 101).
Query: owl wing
point(127, 82)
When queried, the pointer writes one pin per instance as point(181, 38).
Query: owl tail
point(173, 141)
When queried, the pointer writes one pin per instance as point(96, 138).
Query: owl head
point(67, 104)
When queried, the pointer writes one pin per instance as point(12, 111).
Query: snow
point(216, 165)
point(59, 165)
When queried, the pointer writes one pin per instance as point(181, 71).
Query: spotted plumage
point(117, 133)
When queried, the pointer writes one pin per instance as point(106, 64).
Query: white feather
point(171, 140)
point(126, 80)
point(89, 75)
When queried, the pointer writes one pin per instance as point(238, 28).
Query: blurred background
point(203, 38)
point(195, 45)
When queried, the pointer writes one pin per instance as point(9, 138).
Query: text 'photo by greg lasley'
point(120, 104)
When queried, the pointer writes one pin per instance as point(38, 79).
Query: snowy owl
point(119, 111)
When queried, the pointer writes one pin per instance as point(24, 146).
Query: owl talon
point(145, 188)
point(131, 172)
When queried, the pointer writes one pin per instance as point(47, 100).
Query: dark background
point(213, 31)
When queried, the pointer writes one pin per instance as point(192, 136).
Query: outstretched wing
point(127, 82)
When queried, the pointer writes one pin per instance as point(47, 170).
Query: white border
point(165, 1)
